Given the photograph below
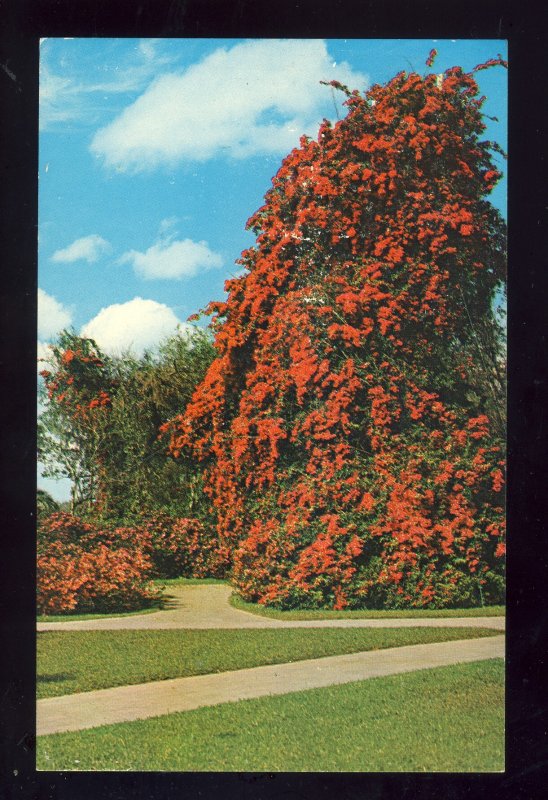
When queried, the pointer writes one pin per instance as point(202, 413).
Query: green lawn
point(79, 617)
point(189, 581)
point(448, 719)
point(78, 661)
point(264, 611)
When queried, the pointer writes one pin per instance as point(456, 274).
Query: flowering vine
point(345, 443)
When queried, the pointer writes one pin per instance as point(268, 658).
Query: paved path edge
point(207, 606)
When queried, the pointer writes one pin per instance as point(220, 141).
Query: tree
point(101, 426)
point(142, 475)
point(76, 393)
point(45, 503)
point(343, 426)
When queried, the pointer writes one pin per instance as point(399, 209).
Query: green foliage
point(45, 504)
point(101, 427)
point(152, 390)
point(76, 394)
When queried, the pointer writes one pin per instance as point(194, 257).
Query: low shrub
point(200, 555)
point(85, 568)
point(62, 527)
point(81, 569)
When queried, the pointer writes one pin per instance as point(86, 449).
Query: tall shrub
point(342, 428)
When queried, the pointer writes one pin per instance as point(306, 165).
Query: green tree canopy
point(102, 420)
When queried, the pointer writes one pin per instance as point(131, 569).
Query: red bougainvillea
point(84, 569)
point(346, 454)
point(78, 383)
point(180, 547)
point(79, 390)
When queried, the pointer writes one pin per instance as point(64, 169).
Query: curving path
point(207, 606)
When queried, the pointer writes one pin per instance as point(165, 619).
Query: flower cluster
point(85, 569)
point(78, 382)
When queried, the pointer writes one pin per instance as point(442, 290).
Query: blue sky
point(155, 152)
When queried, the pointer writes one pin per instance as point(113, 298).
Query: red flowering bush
point(199, 555)
point(346, 447)
point(82, 569)
point(62, 527)
point(181, 547)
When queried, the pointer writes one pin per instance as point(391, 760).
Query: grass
point(189, 581)
point(311, 614)
point(78, 661)
point(448, 719)
point(79, 617)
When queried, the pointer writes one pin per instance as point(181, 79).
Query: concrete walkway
point(130, 703)
point(207, 606)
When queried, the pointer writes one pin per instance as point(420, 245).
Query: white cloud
point(44, 356)
point(136, 325)
point(147, 48)
point(257, 97)
point(172, 259)
point(44, 351)
point(167, 225)
point(52, 316)
point(56, 97)
point(88, 248)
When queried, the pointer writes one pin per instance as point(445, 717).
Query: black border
point(22, 23)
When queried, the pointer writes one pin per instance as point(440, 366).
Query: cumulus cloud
point(256, 97)
point(136, 326)
point(88, 248)
point(52, 316)
point(172, 259)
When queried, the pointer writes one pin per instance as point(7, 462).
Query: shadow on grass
point(84, 616)
point(55, 677)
